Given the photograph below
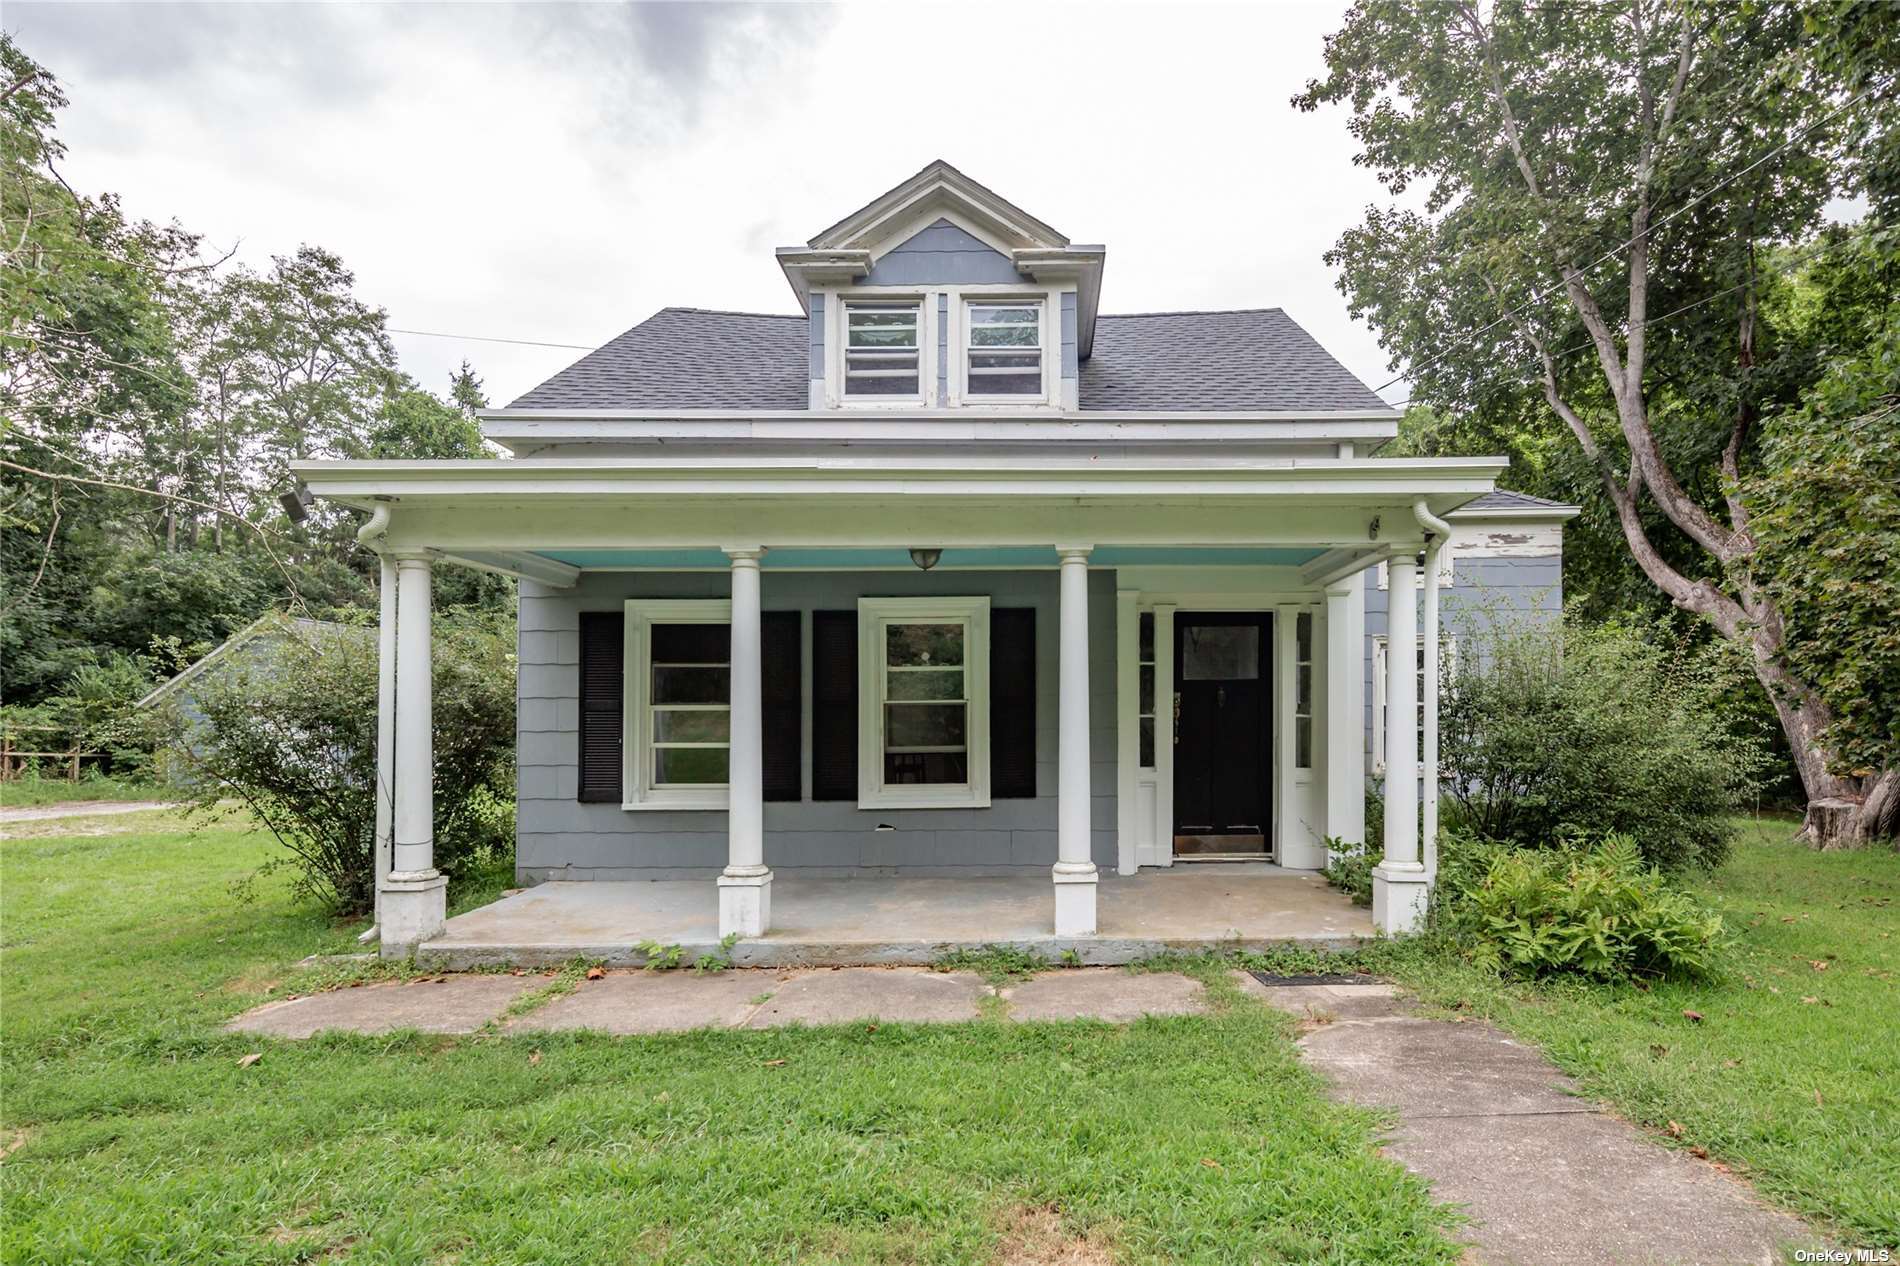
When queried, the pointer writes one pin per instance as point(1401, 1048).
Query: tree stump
point(1833, 824)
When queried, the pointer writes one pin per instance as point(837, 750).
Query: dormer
point(940, 294)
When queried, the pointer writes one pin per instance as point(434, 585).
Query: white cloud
point(559, 172)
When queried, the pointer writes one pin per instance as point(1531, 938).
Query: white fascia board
point(520, 566)
point(1338, 481)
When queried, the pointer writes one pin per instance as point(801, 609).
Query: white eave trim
point(1518, 514)
point(1007, 477)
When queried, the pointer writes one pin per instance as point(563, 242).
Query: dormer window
point(1003, 348)
point(881, 350)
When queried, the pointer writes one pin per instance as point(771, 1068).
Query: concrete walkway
point(631, 1002)
point(1545, 1176)
point(79, 809)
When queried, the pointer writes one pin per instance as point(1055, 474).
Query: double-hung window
point(882, 346)
point(923, 729)
point(679, 703)
point(1003, 348)
point(1447, 668)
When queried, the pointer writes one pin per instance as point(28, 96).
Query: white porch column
point(1075, 876)
point(385, 728)
point(414, 895)
point(1399, 882)
point(1429, 739)
point(1345, 709)
point(745, 889)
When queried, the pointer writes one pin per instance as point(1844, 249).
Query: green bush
point(1349, 868)
point(292, 734)
point(1551, 732)
point(1600, 912)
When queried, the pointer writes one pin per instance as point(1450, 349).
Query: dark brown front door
point(1222, 681)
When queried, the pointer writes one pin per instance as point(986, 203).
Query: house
point(947, 572)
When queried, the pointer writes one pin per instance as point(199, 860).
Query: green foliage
point(661, 957)
point(1349, 868)
point(997, 964)
point(1825, 512)
point(1549, 731)
point(292, 733)
point(1600, 912)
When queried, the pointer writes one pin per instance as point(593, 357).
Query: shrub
point(1349, 868)
point(1560, 731)
point(293, 735)
point(1600, 912)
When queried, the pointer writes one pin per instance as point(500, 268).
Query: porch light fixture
point(297, 502)
point(925, 558)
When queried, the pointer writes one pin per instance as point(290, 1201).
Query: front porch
point(902, 920)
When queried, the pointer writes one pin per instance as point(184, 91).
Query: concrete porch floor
point(884, 920)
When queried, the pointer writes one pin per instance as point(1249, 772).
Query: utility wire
point(481, 338)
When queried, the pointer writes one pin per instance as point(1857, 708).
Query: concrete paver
point(1104, 994)
point(1546, 1176)
point(872, 993)
point(653, 1002)
point(460, 1004)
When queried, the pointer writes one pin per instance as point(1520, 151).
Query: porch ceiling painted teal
point(830, 559)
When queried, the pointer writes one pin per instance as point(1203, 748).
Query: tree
point(1602, 184)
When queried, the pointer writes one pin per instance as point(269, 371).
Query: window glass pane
point(1005, 336)
point(923, 645)
point(1303, 691)
point(1147, 742)
point(696, 766)
point(925, 683)
point(986, 314)
point(896, 336)
point(1147, 690)
point(990, 364)
point(1303, 742)
point(926, 768)
point(1303, 635)
point(1147, 625)
point(691, 725)
point(1220, 652)
point(692, 685)
point(894, 314)
point(1006, 384)
point(923, 725)
point(692, 643)
point(904, 385)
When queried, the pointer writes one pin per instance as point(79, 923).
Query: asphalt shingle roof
point(688, 358)
point(1256, 359)
point(692, 358)
point(1504, 499)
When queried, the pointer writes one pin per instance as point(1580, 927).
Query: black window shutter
point(834, 710)
point(1013, 703)
point(602, 691)
point(782, 660)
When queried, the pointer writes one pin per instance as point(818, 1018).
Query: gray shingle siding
point(691, 358)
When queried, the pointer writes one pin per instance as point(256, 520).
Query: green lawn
point(33, 791)
point(134, 1135)
point(1792, 1075)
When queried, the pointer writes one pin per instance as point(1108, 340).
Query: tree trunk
point(1843, 811)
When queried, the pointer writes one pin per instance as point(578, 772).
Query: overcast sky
point(559, 172)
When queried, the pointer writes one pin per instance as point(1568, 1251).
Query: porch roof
point(584, 512)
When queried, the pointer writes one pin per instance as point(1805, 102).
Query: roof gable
point(939, 190)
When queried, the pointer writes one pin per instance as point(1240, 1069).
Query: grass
point(1792, 1075)
point(32, 790)
point(133, 1134)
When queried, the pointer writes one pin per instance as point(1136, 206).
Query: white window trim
point(837, 330)
point(637, 748)
point(1447, 663)
point(873, 615)
point(959, 346)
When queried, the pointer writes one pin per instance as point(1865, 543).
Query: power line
point(1614, 251)
point(482, 338)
